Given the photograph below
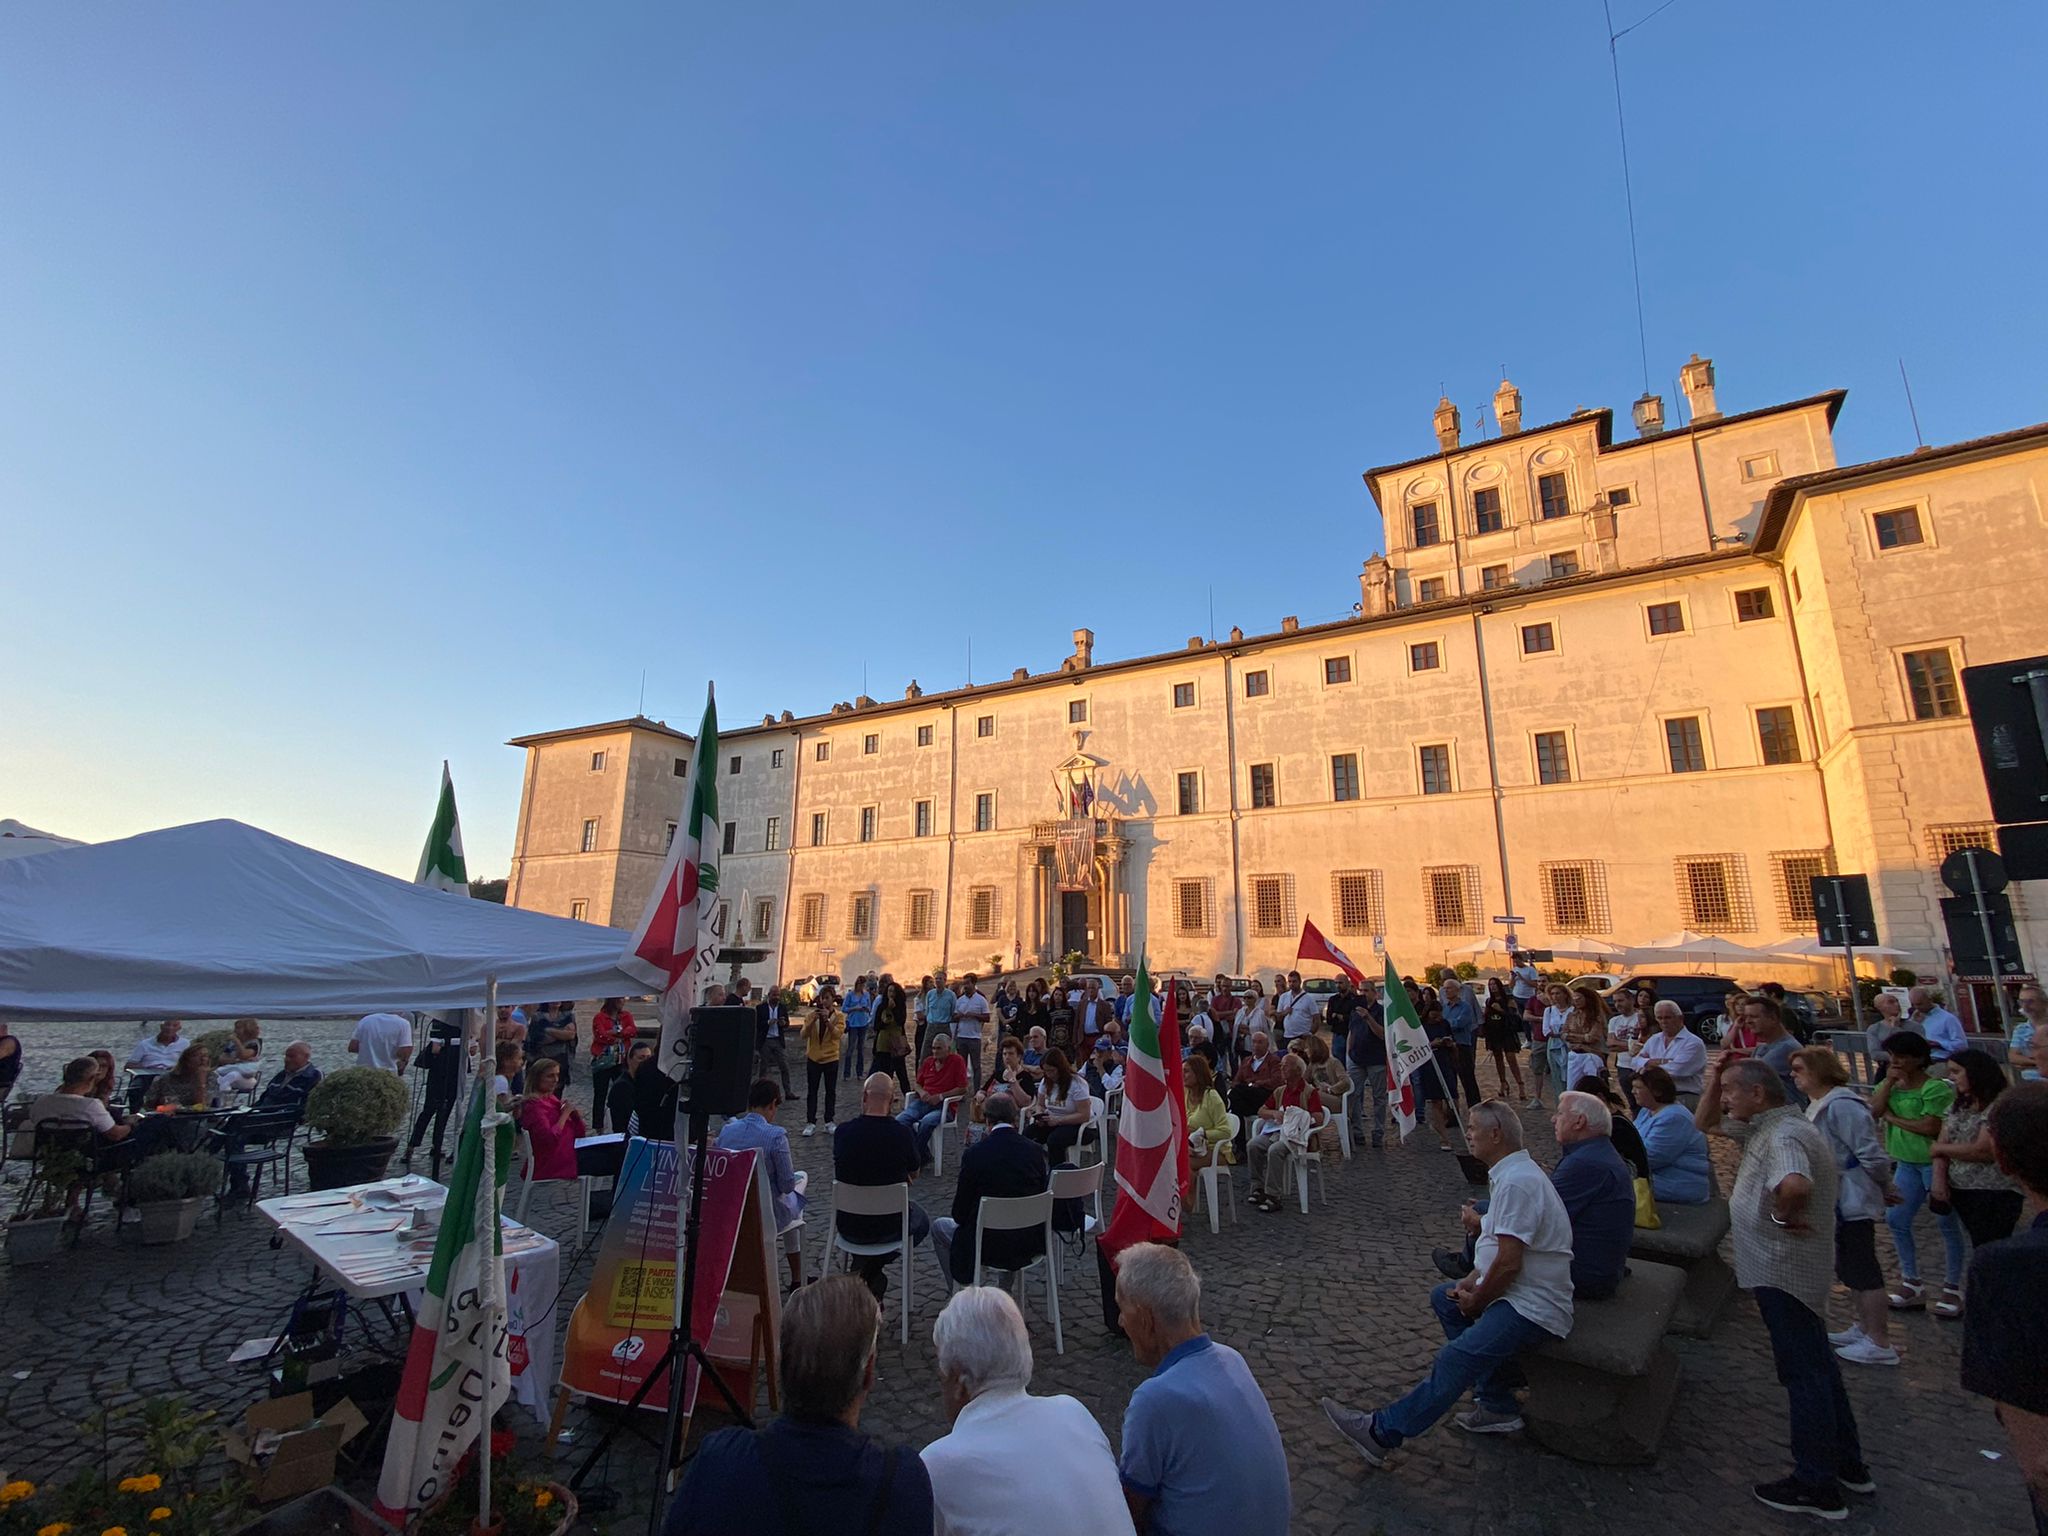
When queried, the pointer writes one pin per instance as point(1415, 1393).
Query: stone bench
point(1691, 1239)
point(1605, 1394)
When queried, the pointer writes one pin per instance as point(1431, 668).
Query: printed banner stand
point(618, 1334)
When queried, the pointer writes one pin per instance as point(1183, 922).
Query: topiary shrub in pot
point(358, 1111)
point(169, 1189)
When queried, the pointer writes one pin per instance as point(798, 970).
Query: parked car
point(807, 987)
point(1700, 996)
point(1602, 982)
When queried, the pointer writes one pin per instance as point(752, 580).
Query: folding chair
point(874, 1200)
point(250, 1144)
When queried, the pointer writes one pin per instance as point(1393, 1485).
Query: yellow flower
point(149, 1482)
point(115, 1530)
point(161, 1512)
point(54, 1528)
point(14, 1492)
point(543, 1499)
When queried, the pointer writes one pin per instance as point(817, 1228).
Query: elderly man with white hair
point(988, 1472)
point(1518, 1294)
point(1677, 1050)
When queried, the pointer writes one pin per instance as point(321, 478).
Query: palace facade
point(1612, 688)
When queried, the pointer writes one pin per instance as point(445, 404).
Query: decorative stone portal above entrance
point(1075, 880)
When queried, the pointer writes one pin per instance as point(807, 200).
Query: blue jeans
point(1914, 1180)
point(922, 1122)
point(1824, 1443)
point(854, 1054)
point(1368, 1086)
point(1479, 1354)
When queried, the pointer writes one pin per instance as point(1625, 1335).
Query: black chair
point(54, 1139)
point(136, 1089)
point(250, 1142)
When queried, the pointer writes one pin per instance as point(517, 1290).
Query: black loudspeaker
point(721, 1060)
point(2009, 739)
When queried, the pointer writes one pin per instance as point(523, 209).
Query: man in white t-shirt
point(1295, 1009)
point(159, 1052)
point(970, 1021)
point(1518, 1294)
point(383, 1040)
point(1525, 976)
point(73, 1104)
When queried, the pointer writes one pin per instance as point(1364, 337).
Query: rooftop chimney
point(1236, 634)
point(1446, 423)
point(1194, 642)
point(787, 717)
point(1696, 378)
point(913, 691)
point(1507, 408)
point(1376, 586)
point(1019, 674)
point(1649, 414)
point(1084, 648)
point(1289, 624)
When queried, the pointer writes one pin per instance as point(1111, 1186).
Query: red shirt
point(604, 1029)
point(940, 1076)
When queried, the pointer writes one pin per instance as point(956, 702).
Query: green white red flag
point(676, 944)
point(457, 1373)
point(1408, 1049)
point(1152, 1133)
point(441, 863)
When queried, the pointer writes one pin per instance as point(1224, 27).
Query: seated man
point(1201, 1453)
point(941, 1080)
point(1105, 1070)
point(289, 1085)
point(874, 1148)
point(756, 1131)
point(989, 1471)
point(811, 1469)
point(1519, 1293)
point(73, 1104)
point(1258, 1075)
point(1004, 1163)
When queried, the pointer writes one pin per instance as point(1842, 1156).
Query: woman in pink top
point(550, 1125)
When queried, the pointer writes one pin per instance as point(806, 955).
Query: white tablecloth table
point(326, 1226)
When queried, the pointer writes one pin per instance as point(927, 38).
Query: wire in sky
point(1627, 186)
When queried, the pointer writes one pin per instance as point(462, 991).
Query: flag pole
point(492, 1119)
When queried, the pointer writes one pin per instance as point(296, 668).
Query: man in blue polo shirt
point(1199, 1397)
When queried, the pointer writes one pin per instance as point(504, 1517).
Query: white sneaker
point(1868, 1352)
point(810, 1130)
point(1848, 1335)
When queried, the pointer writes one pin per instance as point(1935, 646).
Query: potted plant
point(358, 1111)
point(521, 1505)
point(34, 1230)
point(168, 1189)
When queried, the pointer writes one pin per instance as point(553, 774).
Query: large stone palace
point(1611, 687)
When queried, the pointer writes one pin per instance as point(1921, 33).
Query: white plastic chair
point(1311, 1157)
point(874, 1200)
point(1098, 1116)
point(1213, 1178)
point(949, 1118)
point(1344, 1120)
point(1018, 1213)
point(524, 1163)
point(1083, 1183)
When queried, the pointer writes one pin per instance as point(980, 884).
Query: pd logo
point(629, 1349)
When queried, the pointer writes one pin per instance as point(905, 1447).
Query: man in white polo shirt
point(383, 1040)
point(1518, 1294)
point(159, 1052)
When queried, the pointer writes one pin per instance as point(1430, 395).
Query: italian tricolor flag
point(1407, 1048)
point(1152, 1135)
point(676, 944)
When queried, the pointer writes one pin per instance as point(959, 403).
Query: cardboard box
point(284, 1450)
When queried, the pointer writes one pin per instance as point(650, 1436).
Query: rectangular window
point(1793, 874)
point(1553, 758)
point(860, 915)
point(1423, 519)
point(870, 744)
point(822, 752)
point(1707, 895)
point(867, 823)
point(1562, 566)
point(1425, 656)
point(1336, 669)
point(1192, 908)
point(1188, 791)
point(764, 917)
point(1551, 497)
point(1430, 590)
point(1896, 530)
point(1358, 898)
point(682, 768)
point(775, 758)
point(1753, 603)
point(580, 911)
point(1574, 896)
point(1272, 904)
point(817, 829)
point(981, 912)
point(985, 812)
point(1495, 578)
point(1450, 896)
point(772, 841)
point(733, 764)
point(590, 835)
point(1621, 496)
point(1667, 618)
point(1436, 770)
point(597, 762)
point(1946, 839)
point(920, 914)
point(1344, 776)
point(1778, 734)
point(1931, 684)
point(1264, 794)
point(811, 922)
point(730, 837)
point(1684, 745)
point(921, 818)
point(1760, 466)
point(1538, 638)
point(1487, 514)
point(984, 726)
point(1258, 684)
point(1183, 695)
point(669, 840)
point(1077, 711)
point(924, 735)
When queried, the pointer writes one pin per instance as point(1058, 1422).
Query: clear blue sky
point(378, 382)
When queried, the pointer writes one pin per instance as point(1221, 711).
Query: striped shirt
point(1777, 1144)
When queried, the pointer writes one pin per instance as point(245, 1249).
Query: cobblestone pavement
point(1332, 1302)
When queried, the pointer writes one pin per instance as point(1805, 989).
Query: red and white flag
point(1152, 1133)
point(1314, 946)
point(677, 942)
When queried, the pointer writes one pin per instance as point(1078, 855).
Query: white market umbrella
point(1486, 946)
point(1686, 944)
point(1588, 949)
point(1810, 948)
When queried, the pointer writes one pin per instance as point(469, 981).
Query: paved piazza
point(1334, 1302)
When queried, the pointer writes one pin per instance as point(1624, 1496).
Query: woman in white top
point(1552, 1045)
point(1062, 1109)
point(1253, 1015)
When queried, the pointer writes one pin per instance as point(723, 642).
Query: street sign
point(1842, 911)
point(1968, 931)
point(1512, 922)
point(1959, 876)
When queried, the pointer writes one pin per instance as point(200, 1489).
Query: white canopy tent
point(217, 920)
point(18, 838)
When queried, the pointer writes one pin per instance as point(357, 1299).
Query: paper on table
point(351, 1226)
